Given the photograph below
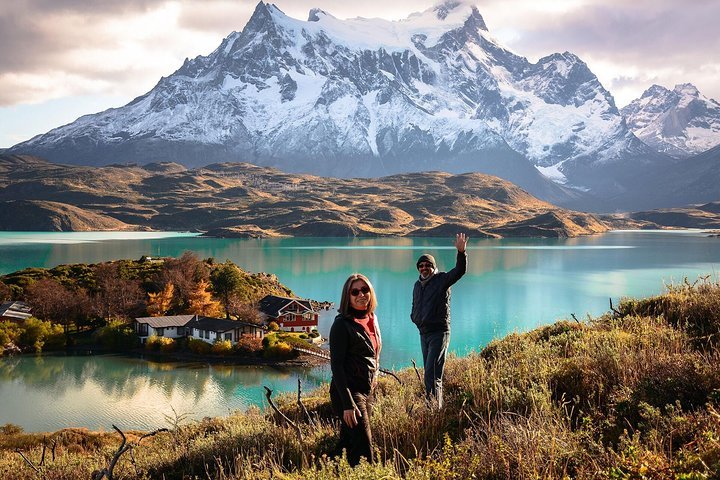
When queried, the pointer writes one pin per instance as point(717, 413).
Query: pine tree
point(200, 301)
point(159, 303)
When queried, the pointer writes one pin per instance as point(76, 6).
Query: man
point(431, 313)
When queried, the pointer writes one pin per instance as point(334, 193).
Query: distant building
point(15, 311)
point(207, 329)
point(291, 314)
point(211, 329)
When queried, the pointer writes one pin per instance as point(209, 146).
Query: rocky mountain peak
point(316, 14)
point(687, 89)
point(680, 122)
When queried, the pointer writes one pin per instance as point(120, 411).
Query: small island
point(168, 308)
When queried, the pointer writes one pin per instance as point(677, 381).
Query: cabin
point(207, 329)
point(172, 326)
point(291, 314)
point(15, 311)
point(215, 329)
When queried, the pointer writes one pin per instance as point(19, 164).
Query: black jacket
point(431, 302)
point(353, 360)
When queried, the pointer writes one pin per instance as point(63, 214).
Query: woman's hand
point(350, 417)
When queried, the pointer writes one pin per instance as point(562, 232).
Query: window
point(207, 334)
point(228, 336)
point(160, 331)
point(143, 329)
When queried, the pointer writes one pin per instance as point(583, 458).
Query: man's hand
point(350, 417)
point(461, 242)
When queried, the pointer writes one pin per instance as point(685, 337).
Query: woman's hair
point(345, 298)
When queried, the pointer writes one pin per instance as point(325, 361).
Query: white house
point(193, 326)
point(172, 326)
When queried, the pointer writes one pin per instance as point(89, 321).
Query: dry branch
point(268, 395)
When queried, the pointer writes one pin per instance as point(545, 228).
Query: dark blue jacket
point(431, 302)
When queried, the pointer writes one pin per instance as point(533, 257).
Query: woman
point(354, 359)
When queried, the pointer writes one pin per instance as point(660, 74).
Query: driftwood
point(42, 456)
point(124, 447)
point(268, 395)
point(417, 372)
point(301, 404)
point(618, 314)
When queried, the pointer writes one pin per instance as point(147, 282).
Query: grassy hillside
point(634, 393)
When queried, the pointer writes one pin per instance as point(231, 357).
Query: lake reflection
point(52, 392)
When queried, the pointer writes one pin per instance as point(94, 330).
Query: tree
point(51, 301)
point(159, 303)
point(201, 301)
point(4, 292)
point(226, 280)
point(184, 273)
point(247, 312)
point(116, 296)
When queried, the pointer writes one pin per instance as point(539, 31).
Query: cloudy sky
point(60, 59)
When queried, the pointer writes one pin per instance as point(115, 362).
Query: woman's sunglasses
point(356, 291)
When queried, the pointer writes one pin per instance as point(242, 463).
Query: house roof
point(272, 304)
point(165, 322)
point(219, 324)
point(18, 310)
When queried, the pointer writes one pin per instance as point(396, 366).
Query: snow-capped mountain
point(370, 97)
point(680, 122)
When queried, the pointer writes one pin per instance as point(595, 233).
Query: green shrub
point(37, 335)
point(116, 335)
point(199, 347)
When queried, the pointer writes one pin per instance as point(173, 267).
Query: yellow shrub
point(222, 347)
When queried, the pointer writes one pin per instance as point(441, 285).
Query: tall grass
point(634, 393)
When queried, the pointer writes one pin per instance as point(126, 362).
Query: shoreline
point(301, 361)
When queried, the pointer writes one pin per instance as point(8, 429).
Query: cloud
point(102, 47)
point(51, 48)
point(650, 41)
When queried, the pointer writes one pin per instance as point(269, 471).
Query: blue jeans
point(434, 350)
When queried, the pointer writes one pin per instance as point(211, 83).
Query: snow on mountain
point(369, 97)
point(680, 122)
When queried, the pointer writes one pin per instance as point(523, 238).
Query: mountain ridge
point(369, 98)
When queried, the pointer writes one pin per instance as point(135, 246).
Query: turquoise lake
point(511, 285)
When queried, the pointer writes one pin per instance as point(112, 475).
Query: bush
point(248, 345)
point(37, 335)
point(273, 326)
point(163, 344)
point(279, 350)
point(199, 347)
point(116, 335)
point(222, 347)
point(10, 429)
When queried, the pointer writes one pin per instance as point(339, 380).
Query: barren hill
point(237, 199)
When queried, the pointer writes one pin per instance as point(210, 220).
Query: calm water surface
point(511, 285)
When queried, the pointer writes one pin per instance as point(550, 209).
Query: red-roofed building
point(291, 314)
